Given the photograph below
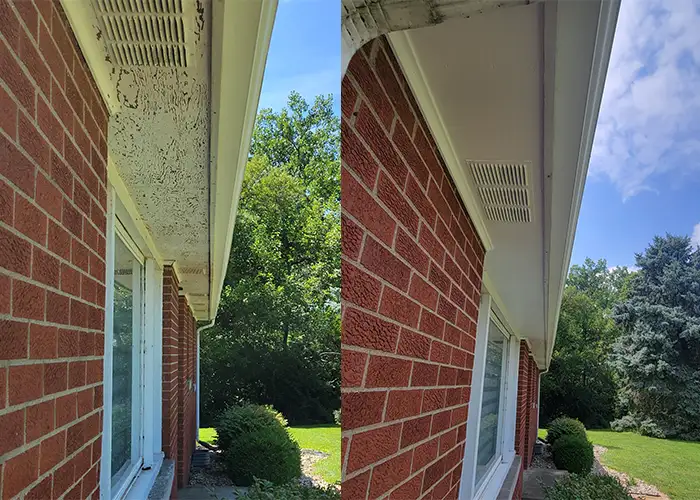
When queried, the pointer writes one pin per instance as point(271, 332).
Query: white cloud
point(695, 237)
point(650, 116)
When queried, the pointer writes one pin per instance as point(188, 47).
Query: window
point(490, 444)
point(489, 449)
point(127, 359)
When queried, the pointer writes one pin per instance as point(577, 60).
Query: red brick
point(370, 446)
point(398, 307)
point(440, 352)
point(5, 294)
point(353, 368)
point(433, 474)
point(7, 203)
point(425, 453)
point(72, 219)
point(368, 82)
point(32, 142)
point(42, 342)
point(48, 196)
point(45, 268)
point(12, 425)
point(15, 253)
point(441, 421)
point(20, 471)
point(433, 399)
point(363, 330)
point(14, 77)
point(25, 383)
point(66, 409)
point(53, 450)
point(8, 113)
point(385, 371)
point(55, 377)
point(28, 301)
point(94, 371)
point(49, 124)
point(57, 308)
point(70, 280)
point(30, 220)
point(14, 338)
point(430, 243)
point(348, 98)
point(402, 404)
point(359, 287)
point(61, 175)
point(438, 278)
point(424, 375)
point(413, 344)
point(392, 197)
point(356, 157)
point(407, 248)
point(448, 441)
point(76, 374)
point(40, 420)
point(360, 204)
point(78, 313)
point(410, 489)
point(423, 292)
point(44, 488)
point(415, 430)
point(16, 167)
point(383, 263)
point(393, 89)
point(432, 324)
point(447, 309)
point(350, 240)
point(356, 487)
point(380, 145)
point(362, 408)
point(390, 473)
point(64, 477)
point(59, 240)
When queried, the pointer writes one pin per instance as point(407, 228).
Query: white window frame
point(147, 417)
point(493, 479)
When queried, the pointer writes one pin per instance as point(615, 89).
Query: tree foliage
point(580, 382)
point(277, 339)
point(658, 351)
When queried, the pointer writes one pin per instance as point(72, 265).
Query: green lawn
point(325, 438)
point(671, 466)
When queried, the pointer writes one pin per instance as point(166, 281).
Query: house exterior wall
point(527, 409)
point(187, 399)
point(52, 257)
point(411, 280)
point(171, 342)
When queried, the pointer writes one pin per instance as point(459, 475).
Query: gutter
point(197, 390)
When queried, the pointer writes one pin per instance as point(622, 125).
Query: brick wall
point(171, 335)
point(186, 396)
point(53, 127)
point(527, 408)
point(411, 275)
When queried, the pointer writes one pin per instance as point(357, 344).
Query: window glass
point(125, 361)
point(489, 449)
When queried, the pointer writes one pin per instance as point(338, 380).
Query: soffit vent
point(147, 32)
point(193, 270)
point(504, 189)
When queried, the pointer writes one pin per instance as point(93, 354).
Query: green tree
point(658, 352)
point(581, 382)
point(278, 335)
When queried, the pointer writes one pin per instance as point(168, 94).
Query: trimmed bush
point(337, 416)
point(255, 444)
point(588, 487)
point(264, 490)
point(573, 453)
point(624, 424)
point(564, 426)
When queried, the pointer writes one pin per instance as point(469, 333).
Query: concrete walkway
point(200, 492)
point(535, 480)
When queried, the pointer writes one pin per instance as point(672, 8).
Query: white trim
point(144, 481)
point(240, 30)
point(84, 22)
point(405, 53)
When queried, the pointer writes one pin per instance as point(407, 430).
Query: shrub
point(336, 416)
point(587, 487)
point(573, 453)
point(648, 427)
point(255, 444)
point(624, 424)
point(264, 490)
point(564, 426)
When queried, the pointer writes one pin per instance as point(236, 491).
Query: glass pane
point(490, 403)
point(124, 350)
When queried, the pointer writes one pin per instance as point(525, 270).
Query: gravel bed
point(637, 488)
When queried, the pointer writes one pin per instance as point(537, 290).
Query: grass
point(325, 438)
point(672, 466)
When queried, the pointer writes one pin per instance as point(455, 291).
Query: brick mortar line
point(403, 260)
point(28, 446)
point(403, 420)
point(48, 397)
point(417, 473)
point(411, 447)
point(387, 319)
point(385, 354)
point(384, 283)
point(69, 73)
point(6, 363)
point(355, 390)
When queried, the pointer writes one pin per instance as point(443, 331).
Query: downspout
point(197, 386)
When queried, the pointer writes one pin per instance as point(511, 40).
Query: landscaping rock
point(638, 488)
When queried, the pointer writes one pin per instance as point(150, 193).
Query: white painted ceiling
point(159, 144)
point(485, 74)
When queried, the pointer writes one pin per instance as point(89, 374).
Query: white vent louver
point(147, 32)
point(504, 189)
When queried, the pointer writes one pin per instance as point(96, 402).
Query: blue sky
point(304, 52)
point(645, 168)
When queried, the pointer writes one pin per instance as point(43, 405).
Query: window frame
point(122, 224)
point(491, 482)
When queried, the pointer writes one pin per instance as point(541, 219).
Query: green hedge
point(587, 487)
point(573, 453)
point(255, 443)
point(264, 490)
point(564, 426)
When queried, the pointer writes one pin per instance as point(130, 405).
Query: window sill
point(146, 481)
point(511, 480)
point(498, 480)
